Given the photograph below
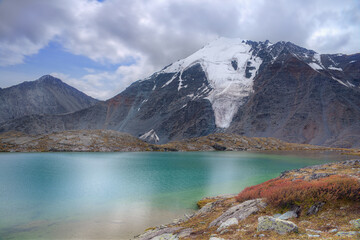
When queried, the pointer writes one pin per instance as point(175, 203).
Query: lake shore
point(113, 141)
point(227, 217)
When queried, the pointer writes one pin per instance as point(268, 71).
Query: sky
point(102, 46)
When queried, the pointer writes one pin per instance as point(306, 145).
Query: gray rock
point(348, 234)
point(218, 147)
point(287, 215)
point(228, 223)
point(313, 231)
point(240, 211)
point(163, 232)
point(318, 175)
point(166, 236)
point(355, 223)
point(313, 235)
point(315, 208)
point(268, 223)
point(207, 208)
point(185, 233)
point(333, 230)
point(224, 231)
point(216, 238)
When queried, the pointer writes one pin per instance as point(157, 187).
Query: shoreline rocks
point(240, 211)
point(268, 223)
point(222, 217)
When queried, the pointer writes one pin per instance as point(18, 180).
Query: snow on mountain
point(230, 68)
point(150, 136)
point(335, 68)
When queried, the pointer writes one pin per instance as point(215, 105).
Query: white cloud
point(104, 85)
point(28, 26)
point(156, 33)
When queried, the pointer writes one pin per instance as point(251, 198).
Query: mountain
point(47, 95)
point(256, 89)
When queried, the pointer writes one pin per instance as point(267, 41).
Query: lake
point(119, 195)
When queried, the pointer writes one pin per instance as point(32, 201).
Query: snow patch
point(334, 68)
point(154, 87)
point(339, 81)
point(315, 66)
point(350, 84)
point(150, 136)
point(230, 86)
point(180, 81)
point(352, 61)
point(168, 82)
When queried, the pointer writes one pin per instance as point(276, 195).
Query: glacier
point(230, 84)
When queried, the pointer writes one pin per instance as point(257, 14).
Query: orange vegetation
point(286, 192)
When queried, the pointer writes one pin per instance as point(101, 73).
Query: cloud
point(152, 34)
point(103, 85)
point(28, 26)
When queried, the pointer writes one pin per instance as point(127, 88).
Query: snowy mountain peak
point(230, 68)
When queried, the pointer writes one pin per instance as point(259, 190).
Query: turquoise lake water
point(118, 195)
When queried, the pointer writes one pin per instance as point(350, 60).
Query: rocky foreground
point(333, 214)
point(113, 141)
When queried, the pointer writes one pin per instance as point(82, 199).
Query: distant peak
point(48, 78)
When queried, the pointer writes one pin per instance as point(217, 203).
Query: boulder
point(315, 176)
point(240, 211)
point(206, 208)
point(315, 208)
point(313, 231)
point(355, 223)
point(228, 223)
point(185, 232)
point(166, 236)
point(165, 233)
point(218, 147)
point(268, 223)
point(313, 235)
point(287, 215)
point(348, 234)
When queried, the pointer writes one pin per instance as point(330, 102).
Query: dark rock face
point(295, 103)
point(314, 209)
point(218, 147)
point(47, 95)
point(295, 95)
point(146, 105)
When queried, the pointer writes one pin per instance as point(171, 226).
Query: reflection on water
point(118, 195)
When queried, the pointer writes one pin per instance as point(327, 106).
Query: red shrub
point(285, 192)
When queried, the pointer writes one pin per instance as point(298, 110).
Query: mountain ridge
point(256, 89)
point(46, 95)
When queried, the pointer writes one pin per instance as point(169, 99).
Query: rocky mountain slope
point(114, 141)
point(256, 89)
point(47, 95)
